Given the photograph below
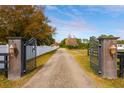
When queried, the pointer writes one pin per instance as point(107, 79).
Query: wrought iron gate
point(95, 54)
point(30, 54)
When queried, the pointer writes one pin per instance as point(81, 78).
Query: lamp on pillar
point(113, 51)
point(11, 50)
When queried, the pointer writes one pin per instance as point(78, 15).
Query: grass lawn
point(41, 60)
point(83, 60)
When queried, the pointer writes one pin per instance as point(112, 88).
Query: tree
point(62, 44)
point(85, 40)
point(25, 21)
point(93, 42)
point(106, 36)
point(120, 41)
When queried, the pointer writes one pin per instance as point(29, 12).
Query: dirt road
point(61, 71)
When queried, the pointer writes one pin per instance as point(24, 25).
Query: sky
point(86, 21)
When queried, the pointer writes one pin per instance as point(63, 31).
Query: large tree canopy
point(25, 21)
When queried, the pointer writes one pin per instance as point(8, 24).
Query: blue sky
point(85, 21)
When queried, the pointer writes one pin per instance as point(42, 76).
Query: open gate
point(94, 53)
point(30, 54)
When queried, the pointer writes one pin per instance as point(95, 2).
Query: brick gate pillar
point(15, 64)
point(109, 57)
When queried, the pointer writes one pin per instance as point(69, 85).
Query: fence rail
point(30, 56)
point(40, 50)
point(45, 49)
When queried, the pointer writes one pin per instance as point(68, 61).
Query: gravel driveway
point(61, 71)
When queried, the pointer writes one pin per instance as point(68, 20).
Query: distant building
point(71, 41)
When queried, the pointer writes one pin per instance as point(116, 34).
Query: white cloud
point(113, 10)
point(51, 7)
point(77, 24)
point(72, 11)
point(74, 27)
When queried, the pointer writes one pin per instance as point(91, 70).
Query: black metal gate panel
point(4, 63)
point(94, 53)
point(30, 54)
point(120, 67)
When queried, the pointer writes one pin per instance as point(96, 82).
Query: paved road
point(61, 71)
